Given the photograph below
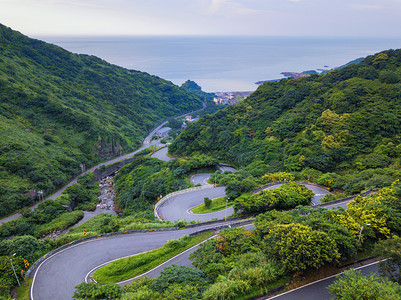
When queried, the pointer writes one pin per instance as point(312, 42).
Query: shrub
point(207, 202)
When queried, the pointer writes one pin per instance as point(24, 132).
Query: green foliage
point(193, 87)
point(51, 215)
point(332, 197)
point(24, 246)
point(216, 204)
point(345, 122)
point(225, 288)
point(7, 279)
point(255, 269)
point(179, 275)
point(59, 110)
point(102, 223)
point(140, 183)
point(280, 176)
point(391, 251)
point(353, 285)
point(288, 195)
point(207, 202)
point(299, 247)
point(231, 242)
point(175, 282)
point(209, 259)
point(92, 290)
point(60, 223)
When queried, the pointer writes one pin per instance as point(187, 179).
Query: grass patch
point(126, 268)
point(216, 205)
point(23, 290)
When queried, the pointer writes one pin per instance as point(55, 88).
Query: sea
point(224, 64)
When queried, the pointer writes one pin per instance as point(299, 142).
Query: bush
point(207, 202)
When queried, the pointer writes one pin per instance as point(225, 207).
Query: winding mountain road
point(56, 277)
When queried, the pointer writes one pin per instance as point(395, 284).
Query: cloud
point(228, 7)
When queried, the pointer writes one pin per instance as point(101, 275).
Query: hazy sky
point(204, 17)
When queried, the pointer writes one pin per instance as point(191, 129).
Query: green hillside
point(346, 121)
point(59, 110)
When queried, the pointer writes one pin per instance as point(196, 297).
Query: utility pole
point(16, 277)
point(215, 177)
point(226, 208)
point(359, 240)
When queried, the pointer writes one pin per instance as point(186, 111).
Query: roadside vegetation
point(140, 184)
point(285, 246)
point(52, 215)
point(130, 267)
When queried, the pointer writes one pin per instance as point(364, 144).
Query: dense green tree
point(209, 259)
point(390, 250)
point(288, 195)
point(299, 247)
point(24, 246)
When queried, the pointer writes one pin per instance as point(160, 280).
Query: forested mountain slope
point(348, 119)
point(59, 110)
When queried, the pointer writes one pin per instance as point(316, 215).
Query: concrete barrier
point(214, 222)
point(224, 226)
point(363, 194)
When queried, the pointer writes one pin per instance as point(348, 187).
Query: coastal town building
point(188, 119)
point(163, 132)
point(230, 98)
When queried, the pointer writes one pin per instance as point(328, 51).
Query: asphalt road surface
point(200, 179)
point(162, 154)
point(318, 290)
point(57, 276)
point(179, 207)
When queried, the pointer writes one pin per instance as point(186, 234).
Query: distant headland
point(310, 72)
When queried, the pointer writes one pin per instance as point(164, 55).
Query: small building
point(163, 132)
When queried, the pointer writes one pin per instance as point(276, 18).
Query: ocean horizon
point(227, 63)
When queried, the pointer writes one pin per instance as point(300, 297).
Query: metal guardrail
point(167, 197)
point(363, 194)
